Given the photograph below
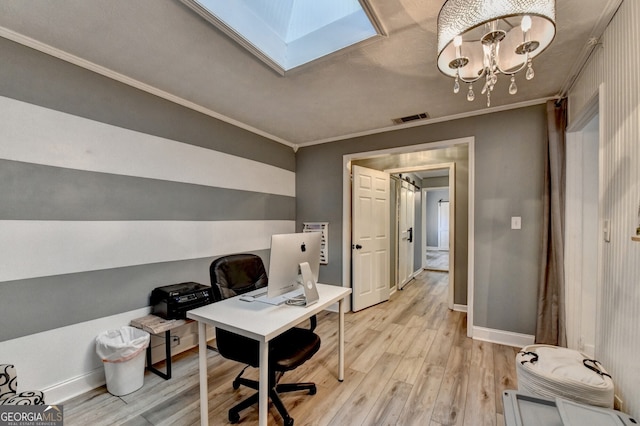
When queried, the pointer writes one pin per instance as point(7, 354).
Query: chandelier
point(480, 39)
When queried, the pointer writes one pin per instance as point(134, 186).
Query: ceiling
point(164, 47)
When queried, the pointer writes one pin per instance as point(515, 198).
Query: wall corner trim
point(460, 308)
point(508, 338)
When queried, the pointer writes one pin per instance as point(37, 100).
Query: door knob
point(356, 246)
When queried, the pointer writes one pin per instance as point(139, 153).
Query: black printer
point(173, 301)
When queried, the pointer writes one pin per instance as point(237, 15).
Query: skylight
point(288, 33)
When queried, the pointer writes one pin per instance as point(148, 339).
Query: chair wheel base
point(313, 391)
point(288, 422)
point(234, 417)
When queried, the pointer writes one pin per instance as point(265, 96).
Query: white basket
point(551, 371)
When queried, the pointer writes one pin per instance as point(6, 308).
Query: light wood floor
point(408, 362)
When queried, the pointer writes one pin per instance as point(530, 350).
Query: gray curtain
point(550, 326)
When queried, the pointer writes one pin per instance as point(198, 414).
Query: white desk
point(261, 322)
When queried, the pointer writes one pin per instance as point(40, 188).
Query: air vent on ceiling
point(421, 116)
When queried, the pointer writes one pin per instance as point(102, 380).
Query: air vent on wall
point(421, 116)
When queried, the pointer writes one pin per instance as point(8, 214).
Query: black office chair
point(239, 273)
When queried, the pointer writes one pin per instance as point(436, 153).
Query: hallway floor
point(438, 260)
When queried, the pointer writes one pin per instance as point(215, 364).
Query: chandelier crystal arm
point(473, 80)
point(498, 68)
point(510, 73)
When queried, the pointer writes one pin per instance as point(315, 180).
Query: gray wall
point(508, 178)
point(509, 164)
point(435, 182)
point(32, 192)
point(459, 155)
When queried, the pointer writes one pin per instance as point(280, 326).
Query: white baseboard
point(61, 392)
point(460, 308)
point(501, 337)
point(73, 367)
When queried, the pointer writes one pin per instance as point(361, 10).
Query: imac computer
point(293, 255)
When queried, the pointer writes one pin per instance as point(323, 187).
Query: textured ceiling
point(163, 44)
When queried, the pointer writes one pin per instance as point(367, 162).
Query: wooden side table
point(153, 324)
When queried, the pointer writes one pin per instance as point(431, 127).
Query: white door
point(443, 225)
point(406, 226)
point(370, 237)
point(582, 236)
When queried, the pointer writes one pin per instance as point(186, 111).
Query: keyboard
point(253, 295)
point(261, 297)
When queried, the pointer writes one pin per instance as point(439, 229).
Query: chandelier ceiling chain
point(480, 39)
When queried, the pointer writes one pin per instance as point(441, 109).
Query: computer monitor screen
point(288, 251)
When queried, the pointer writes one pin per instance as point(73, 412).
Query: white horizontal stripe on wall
point(30, 249)
point(39, 135)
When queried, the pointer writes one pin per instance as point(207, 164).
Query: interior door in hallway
point(370, 243)
point(406, 227)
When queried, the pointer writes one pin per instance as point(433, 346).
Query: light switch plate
point(516, 222)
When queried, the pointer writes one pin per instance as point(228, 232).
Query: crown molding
point(419, 123)
point(99, 69)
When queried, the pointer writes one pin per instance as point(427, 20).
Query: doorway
point(437, 208)
point(582, 233)
point(439, 222)
point(420, 157)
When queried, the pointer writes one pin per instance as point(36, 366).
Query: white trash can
point(122, 353)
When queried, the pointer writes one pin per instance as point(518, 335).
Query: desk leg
point(202, 365)
point(341, 340)
point(263, 398)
